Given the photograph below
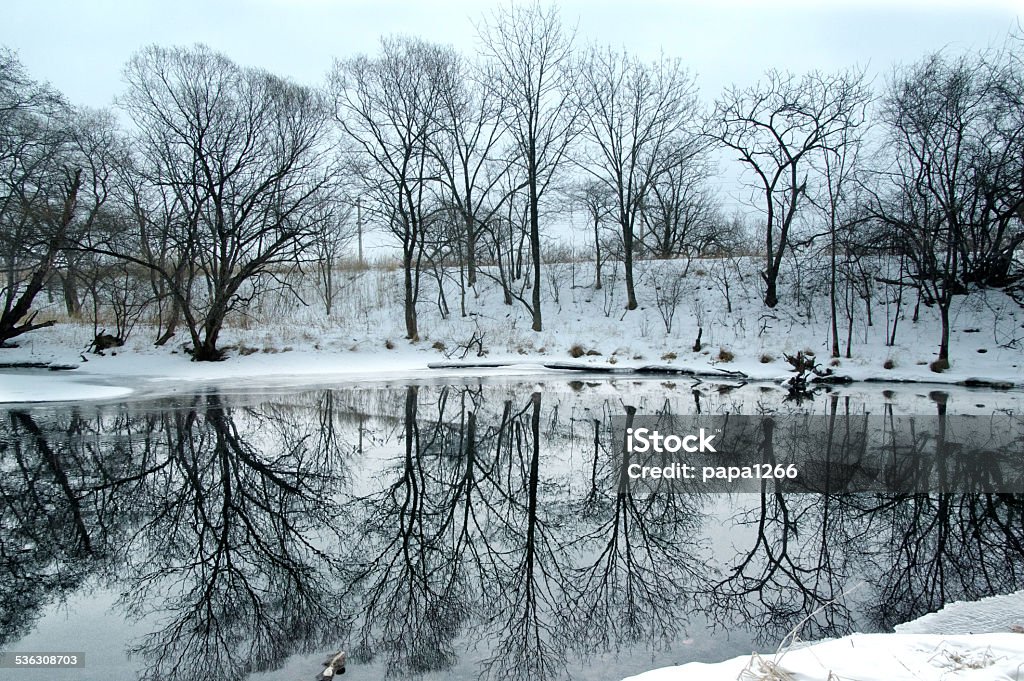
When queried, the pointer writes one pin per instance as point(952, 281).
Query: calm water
point(467, 530)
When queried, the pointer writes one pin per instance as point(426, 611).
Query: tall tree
point(681, 216)
point(949, 196)
point(388, 107)
point(39, 187)
point(237, 156)
point(632, 113)
point(469, 151)
point(776, 127)
point(531, 58)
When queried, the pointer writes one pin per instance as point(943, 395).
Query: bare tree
point(951, 196)
point(840, 166)
point(469, 151)
point(681, 217)
point(632, 113)
point(599, 204)
point(236, 157)
point(530, 57)
point(39, 187)
point(388, 107)
point(775, 127)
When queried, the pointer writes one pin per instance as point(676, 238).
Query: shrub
point(668, 356)
point(766, 359)
point(889, 364)
point(577, 351)
point(725, 355)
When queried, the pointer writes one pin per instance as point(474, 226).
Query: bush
point(577, 351)
point(725, 355)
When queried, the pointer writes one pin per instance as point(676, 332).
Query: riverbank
point(715, 324)
point(965, 641)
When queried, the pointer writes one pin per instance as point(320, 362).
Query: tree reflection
point(233, 553)
point(941, 548)
point(419, 524)
point(50, 543)
point(793, 575)
point(641, 555)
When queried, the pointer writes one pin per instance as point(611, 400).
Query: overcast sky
point(79, 46)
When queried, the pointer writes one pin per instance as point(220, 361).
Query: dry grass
point(725, 355)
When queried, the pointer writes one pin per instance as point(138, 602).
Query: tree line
point(227, 179)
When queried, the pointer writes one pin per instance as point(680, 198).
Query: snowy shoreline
point(965, 640)
point(24, 376)
point(363, 339)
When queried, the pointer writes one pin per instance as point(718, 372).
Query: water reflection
point(420, 525)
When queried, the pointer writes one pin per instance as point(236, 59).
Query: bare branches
point(639, 123)
point(532, 73)
point(234, 157)
point(775, 128)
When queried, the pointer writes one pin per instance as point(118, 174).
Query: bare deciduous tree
point(389, 107)
point(775, 127)
point(530, 57)
point(38, 192)
point(236, 156)
point(681, 217)
point(632, 113)
point(946, 197)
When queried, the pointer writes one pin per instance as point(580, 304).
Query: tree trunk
point(535, 253)
point(832, 297)
point(770, 276)
point(411, 332)
point(206, 350)
point(944, 340)
point(72, 301)
point(627, 244)
point(471, 238)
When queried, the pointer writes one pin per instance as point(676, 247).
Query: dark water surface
point(470, 530)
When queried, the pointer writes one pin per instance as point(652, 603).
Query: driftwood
point(655, 369)
point(333, 665)
point(37, 365)
point(105, 341)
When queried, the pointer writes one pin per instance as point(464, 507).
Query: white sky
point(79, 46)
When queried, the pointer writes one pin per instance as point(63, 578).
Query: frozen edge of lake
point(116, 376)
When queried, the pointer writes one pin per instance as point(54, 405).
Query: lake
point(457, 529)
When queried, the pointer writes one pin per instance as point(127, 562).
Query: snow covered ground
point(281, 339)
point(937, 646)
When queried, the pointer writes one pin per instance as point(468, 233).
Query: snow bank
point(867, 657)
point(363, 337)
point(976, 640)
point(995, 614)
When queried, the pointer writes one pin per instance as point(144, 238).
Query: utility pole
point(359, 227)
